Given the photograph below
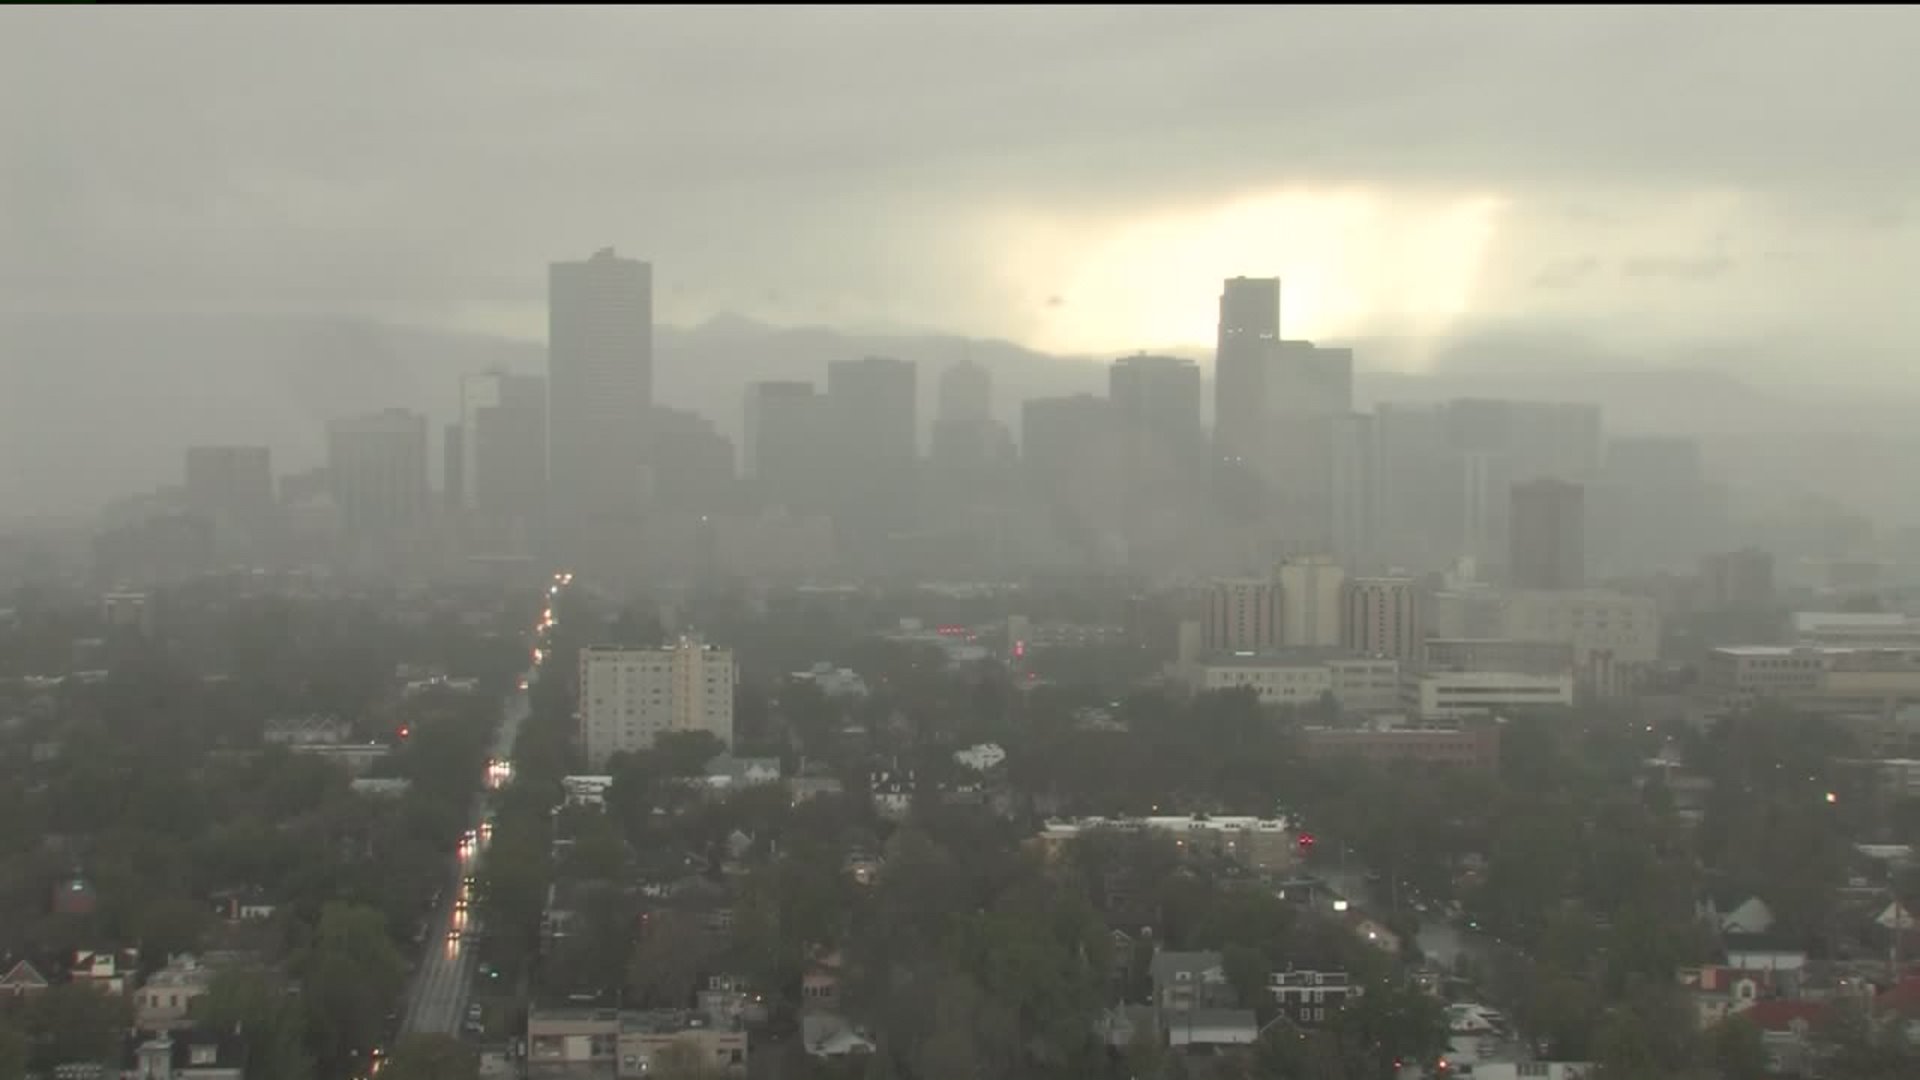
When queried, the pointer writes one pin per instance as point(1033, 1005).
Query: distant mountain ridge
point(100, 406)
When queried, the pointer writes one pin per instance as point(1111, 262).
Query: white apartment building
point(630, 697)
point(1304, 677)
point(1310, 595)
point(1454, 695)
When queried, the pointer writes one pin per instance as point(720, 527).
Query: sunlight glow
point(1350, 262)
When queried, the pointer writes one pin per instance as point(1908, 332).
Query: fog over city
point(1455, 189)
point(934, 542)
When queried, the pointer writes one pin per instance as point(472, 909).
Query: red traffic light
point(404, 732)
point(1306, 841)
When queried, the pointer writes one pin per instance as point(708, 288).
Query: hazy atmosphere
point(1460, 188)
point(959, 543)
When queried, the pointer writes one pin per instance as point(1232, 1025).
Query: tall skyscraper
point(1249, 336)
point(377, 468)
point(1382, 618)
point(1548, 535)
point(234, 482)
point(1157, 398)
point(600, 385)
point(786, 454)
point(874, 401)
point(966, 394)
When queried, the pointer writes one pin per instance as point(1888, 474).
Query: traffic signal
point(1306, 842)
point(405, 732)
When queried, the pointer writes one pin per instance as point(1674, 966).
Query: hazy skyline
point(1074, 179)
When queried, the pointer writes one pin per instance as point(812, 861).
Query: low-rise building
point(626, 1042)
point(1261, 843)
point(1454, 695)
point(310, 730)
point(1311, 997)
point(162, 1003)
point(1303, 676)
point(1471, 746)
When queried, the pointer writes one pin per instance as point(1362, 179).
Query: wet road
point(437, 998)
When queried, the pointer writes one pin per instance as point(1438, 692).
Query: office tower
point(1310, 592)
point(966, 394)
point(503, 454)
point(377, 469)
point(1737, 581)
point(1382, 618)
point(1305, 379)
point(1243, 615)
point(1070, 452)
point(1653, 509)
point(630, 697)
point(1354, 494)
point(1249, 335)
point(787, 453)
point(453, 468)
point(599, 385)
point(1548, 535)
point(874, 402)
point(1158, 397)
point(876, 446)
point(694, 462)
point(231, 488)
point(966, 437)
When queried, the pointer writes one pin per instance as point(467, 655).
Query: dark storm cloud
point(421, 162)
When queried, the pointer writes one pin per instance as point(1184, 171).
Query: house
point(1786, 1030)
point(1183, 981)
point(830, 1035)
point(1720, 992)
point(1759, 952)
point(105, 970)
point(243, 905)
point(22, 980)
point(305, 731)
point(980, 758)
point(892, 792)
point(1212, 1029)
point(162, 1003)
point(813, 785)
point(728, 773)
point(820, 983)
point(1535, 1070)
point(1311, 997)
point(1121, 1025)
point(1730, 914)
point(1470, 1018)
point(862, 866)
point(191, 1055)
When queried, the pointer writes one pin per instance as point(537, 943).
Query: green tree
point(1738, 1051)
point(13, 1052)
point(351, 976)
point(74, 1022)
point(270, 1019)
point(432, 1057)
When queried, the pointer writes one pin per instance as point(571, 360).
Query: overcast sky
point(1076, 179)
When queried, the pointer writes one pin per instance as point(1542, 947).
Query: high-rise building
point(1382, 618)
point(231, 488)
point(966, 394)
point(1737, 581)
point(874, 401)
point(1243, 615)
point(1070, 451)
point(1157, 399)
point(1354, 490)
point(1548, 535)
point(503, 451)
point(377, 470)
point(1305, 379)
point(599, 384)
point(1310, 593)
point(787, 453)
point(695, 468)
point(1249, 336)
point(631, 697)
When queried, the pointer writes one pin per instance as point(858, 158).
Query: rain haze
point(922, 542)
point(1638, 188)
